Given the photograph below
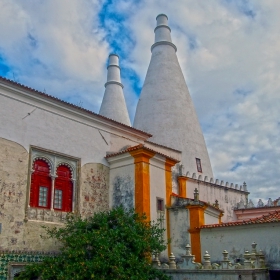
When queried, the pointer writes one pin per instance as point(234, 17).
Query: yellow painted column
point(142, 181)
point(220, 218)
point(196, 213)
point(182, 181)
point(168, 182)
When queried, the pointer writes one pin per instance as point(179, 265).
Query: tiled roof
point(160, 145)
point(134, 148)
point(272, 217)
point(205, 203)
point(39, 93)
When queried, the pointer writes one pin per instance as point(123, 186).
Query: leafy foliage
point(109, 245)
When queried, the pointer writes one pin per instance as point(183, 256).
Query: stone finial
point(247, 262)
point(227, 184)
point(225, 255)
point(236, 186)
point(260, 203)
point(217, 182)
point(253, 252)
point(212, 181)
point(250, 204)
point(270, 203)
point(196, 195)
point(222, 183)
point(181, 170)
point(207, 262)
point(156, 262)
point(200, 177)
point(260, 259)
point(254, 245)
point(206, 179)
point(225, 263)
point(188, 250)
point(245, 186)
point(172, 263)
point(188, 260)
point(194, 176)
point(231, 185)
point(216, 204)
point(241, 204)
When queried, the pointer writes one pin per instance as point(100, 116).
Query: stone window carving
point(198, 164)
point(52, 186)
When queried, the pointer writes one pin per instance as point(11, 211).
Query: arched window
point(63, 189)
point(41, 185)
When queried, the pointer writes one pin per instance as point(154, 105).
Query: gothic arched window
point(41, 185)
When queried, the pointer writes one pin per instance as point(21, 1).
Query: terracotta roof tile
point(134, 148)
point(160, 145)
point(268, 218)
point(12, 83)
point(205, 203)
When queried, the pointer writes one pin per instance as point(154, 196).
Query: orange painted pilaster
point(220, 218)
point(182, 182)
point(196, 220)
point(168, 182)
point(142, 181)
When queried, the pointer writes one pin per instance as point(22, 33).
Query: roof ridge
point(138, 147)
point(69, 104)
point(267, 218)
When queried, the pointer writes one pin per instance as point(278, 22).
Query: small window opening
point(198, 164)
point(160, 204)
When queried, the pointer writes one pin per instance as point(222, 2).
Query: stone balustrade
point(251, 264)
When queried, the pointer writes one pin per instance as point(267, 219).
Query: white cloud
point(229, 52)
point(56, 46)
point(233, 76)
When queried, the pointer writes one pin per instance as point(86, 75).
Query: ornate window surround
point(54, 160)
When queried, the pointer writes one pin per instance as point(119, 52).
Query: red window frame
point(40, 178)
point(64, 183)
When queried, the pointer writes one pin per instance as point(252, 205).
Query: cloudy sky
point(229, 51)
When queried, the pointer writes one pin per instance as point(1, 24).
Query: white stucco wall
point(227, 197)
point(122, 181)
point(158, 190)
point(211, 217)
point(164, 150)
point(237, 239)
point(179, 226)
point(157, 183)
point(48, 124)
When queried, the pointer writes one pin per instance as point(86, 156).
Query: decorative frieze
point(251, 260)
point(46, 215)
point(12, 262)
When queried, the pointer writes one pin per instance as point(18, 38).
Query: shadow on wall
point(123, 193)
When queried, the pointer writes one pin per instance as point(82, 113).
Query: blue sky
point(229, 51)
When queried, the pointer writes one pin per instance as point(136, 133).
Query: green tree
point(117, 244)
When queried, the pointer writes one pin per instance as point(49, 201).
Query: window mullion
point(73, 194)
point(52, 191)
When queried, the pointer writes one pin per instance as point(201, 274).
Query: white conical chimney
point(113, 104)
point(165, 108)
